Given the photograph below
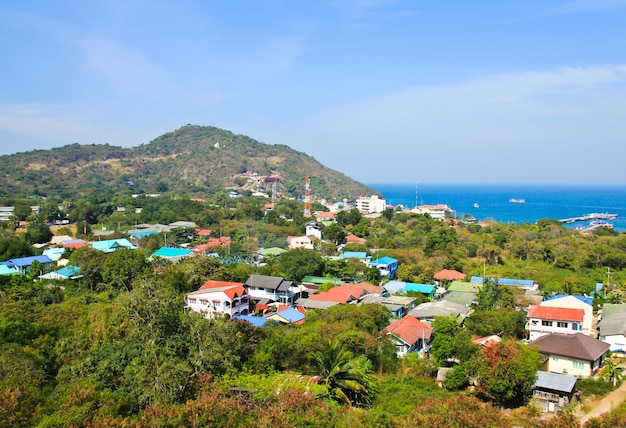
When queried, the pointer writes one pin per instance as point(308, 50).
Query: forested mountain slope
point(190, 160)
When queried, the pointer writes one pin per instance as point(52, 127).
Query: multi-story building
point(219, 299)
point(371, 205)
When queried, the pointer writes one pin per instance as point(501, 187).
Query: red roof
point(325, 215)
point(204, 232)
point(449, 275)
point(410, 329)
point(554, 313)
point(219, 284)
point(372, 289)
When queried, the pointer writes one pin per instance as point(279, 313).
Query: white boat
point(476, 205)
point(517, 201)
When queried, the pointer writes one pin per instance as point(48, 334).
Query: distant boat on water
point(476, 205)
point(517, 201)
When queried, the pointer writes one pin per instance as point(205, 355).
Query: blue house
point(386, 265)
point(111, 245)
point(22, 264)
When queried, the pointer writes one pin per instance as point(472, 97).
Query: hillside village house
point(612, 327)
point(22, 264)
point(411, 335)
point(219, 298)
point(386, 265)
point(575, 354)
point(553, 391)
point(265, 289)
point(575, 302)
point(546, 319)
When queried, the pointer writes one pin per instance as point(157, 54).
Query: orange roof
point(555, 313)
point(410, 329)
point(372, 289)
point(449, 275)
point(219, 284)
point(325, 215)
point(204, 232)
point(340, 294)
point(235, 291)
point(351, 239)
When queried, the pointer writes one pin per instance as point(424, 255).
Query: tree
point(349, 379)
point(612, 372)
point(372, 275)
point(37, 231)
point(507, 321)
point(494, 295)
point(334, 232)
point(300, 262)
point(506, 371)
point(122, 267)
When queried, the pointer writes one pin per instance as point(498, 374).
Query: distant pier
point(592, 216)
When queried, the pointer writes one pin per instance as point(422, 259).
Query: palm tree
point(349, 379)
point(612, 372)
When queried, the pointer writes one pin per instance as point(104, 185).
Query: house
point(74, 243)
point(59, 239)
point(359, 255)
point(427, 290)
point(370, 288)
point(287, 316)
point(575, 354)
point(487, 340)
point(111, 245)
point(548, 319)
point(315, 281)
point(325, 216)
point(439, 308)
point(386, 265)
point(54, 253)
point(8, 270)
point(184, 224)
point(22, 264)
point(306, 303)
point(255, 320)
point(439, 211)
point(300, 242)
point(524, 284)
point(343, 294)
point(173, 255)
point(264, 289)
point(67, 272)
point(353, 239)
point(463, 293)
point(575, 302)
point(411, 335)
point(394, 287)
point(449, 275)
point(397, 305)
point(553, 391)
point(219, 298)
point(612, 327)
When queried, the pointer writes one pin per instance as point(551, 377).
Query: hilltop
point(191, 160)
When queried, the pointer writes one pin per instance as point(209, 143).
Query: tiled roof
point(555, 313)
point(449, 275)
point(410, 330)
point(340, 294)
point(578, 346)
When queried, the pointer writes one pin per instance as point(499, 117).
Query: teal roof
point(7, 270)
point(54, 253)
point(353, 255)
point(171, 252)
point(110, 245)
point(69, 271)
point(383, 261)
point(419, 288)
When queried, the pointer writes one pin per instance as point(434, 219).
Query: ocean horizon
point(492, 201)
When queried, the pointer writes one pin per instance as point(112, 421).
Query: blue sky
point(452, 91)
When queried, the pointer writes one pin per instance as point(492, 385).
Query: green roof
point(464, 287)
point(273, 251)
point(321, 280)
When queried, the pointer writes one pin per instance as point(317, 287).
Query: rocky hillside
point(193, 160)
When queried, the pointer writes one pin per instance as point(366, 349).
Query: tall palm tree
point(349, 379)
point(612, 372)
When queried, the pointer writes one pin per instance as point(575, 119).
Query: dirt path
point(606, 404)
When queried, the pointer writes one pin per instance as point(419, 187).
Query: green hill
point(192, 160)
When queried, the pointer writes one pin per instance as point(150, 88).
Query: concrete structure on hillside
point(371, 205)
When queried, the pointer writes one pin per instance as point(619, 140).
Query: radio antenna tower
point(307, 199)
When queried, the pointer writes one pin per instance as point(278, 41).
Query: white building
point(575, 302)
point(219, 298)
point(543, 320)
point(371, 205)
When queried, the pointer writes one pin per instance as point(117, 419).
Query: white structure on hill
point(371, 205)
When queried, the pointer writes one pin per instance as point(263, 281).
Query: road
point(606, 404)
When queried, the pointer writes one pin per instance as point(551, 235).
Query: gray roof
point(439, 308)
point(555, 381)
point(613, 323)
point(269, 282)
point(389, 300)
point(314, 304)
point(577, 346)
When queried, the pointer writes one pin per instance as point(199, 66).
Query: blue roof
point(252, 319)
point(8, 270)
point(384, 261)
point(110, 245)
point(419, 288)
point(143, 233)
point(353, 255)
point(583, 299)
point(54, 253)
point(506, 281)
point(27, 261)
point(172, 252)
point(69, 271)
point(393, 287)
point(290, 314)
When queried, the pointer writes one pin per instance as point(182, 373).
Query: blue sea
point(542, 201)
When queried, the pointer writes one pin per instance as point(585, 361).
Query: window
point(561, 324)
point(546, 323)
point(578, 364)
